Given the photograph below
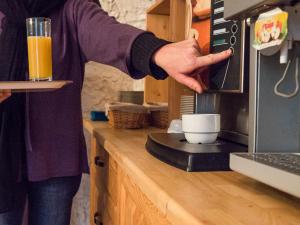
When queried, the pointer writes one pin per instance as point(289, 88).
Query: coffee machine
point(256, 114)
point(274, 130)
point(273, 117)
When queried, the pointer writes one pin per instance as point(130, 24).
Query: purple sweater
point(81, 32)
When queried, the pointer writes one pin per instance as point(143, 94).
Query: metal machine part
point(234, 111)
point(253, 95)
point(251, 8)
point(273, 120)
point(277, 119)
point(281, 170)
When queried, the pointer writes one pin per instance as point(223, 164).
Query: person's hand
point(4, 95)
point(183, 62)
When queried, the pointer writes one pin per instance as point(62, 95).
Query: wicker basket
point(128, 116)
point(159, 116)
point(160, 119)
point(128, 120)
point(147, 120)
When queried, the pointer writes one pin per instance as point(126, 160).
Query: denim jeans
point(49, 202)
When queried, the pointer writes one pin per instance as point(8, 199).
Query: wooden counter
point(213, 198)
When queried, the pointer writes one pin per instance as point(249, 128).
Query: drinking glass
point(39, 48)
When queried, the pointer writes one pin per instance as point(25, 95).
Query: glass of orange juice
point(39, 48)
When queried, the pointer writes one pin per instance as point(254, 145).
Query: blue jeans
point(49, 202)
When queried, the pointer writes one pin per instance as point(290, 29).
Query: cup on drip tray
point(201, 128)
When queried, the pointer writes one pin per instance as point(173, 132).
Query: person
point(42, 148)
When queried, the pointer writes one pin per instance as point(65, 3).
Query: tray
point(33, 86)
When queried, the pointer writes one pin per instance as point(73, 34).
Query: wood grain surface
point(210, 198)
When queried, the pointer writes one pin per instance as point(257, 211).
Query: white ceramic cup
point(201, 128)
point(201, 138)
point(201, 123)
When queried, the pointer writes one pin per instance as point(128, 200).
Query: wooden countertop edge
point(156, 194)
point(163, 201)
point(90, 125)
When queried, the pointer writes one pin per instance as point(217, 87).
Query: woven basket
point(127, 120)
point(160, 119)
point(147, 120)
point(159, 116)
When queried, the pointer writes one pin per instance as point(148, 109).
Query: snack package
point(271, 29)
point(202, 8)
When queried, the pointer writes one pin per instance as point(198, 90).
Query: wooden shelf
point(160, 7)
point(158, 22)
point(167, 20)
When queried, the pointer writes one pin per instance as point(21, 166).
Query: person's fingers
point(196, 46)
point(202, 69)
point(198, 76)
point(203, 85)
point(197, 73)
point(213, 58)
point(188, 81)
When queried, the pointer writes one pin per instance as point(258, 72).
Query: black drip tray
point(174, 150)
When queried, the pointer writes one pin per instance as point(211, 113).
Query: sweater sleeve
point(142, 51)
point(103, 39)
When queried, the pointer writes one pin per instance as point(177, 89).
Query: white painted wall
point(102, 84)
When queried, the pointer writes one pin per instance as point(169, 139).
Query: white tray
point(33, 86)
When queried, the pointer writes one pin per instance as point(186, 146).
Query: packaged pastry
point(202, 9)
point(271, 29)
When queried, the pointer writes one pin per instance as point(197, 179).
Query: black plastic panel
point(174, 150)
point(232, 74)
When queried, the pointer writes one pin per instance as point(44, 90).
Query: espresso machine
point(260, 111)
point(274, 124)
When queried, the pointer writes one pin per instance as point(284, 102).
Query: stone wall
point(102, 84)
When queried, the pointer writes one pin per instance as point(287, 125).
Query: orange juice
point(40, 57)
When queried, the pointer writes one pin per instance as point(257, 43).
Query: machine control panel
point(229, 75)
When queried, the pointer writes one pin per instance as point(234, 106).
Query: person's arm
point(142, 52)
point(183, 61)
point(102, 39)
point(136, 52)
